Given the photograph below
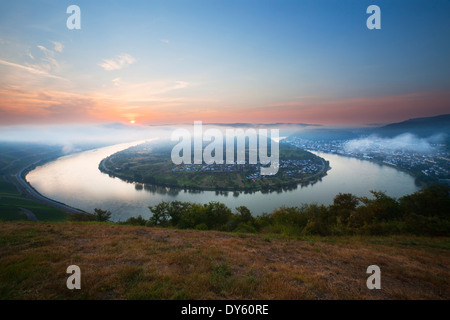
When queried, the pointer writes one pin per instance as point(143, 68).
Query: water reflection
point(173, 191)
point(77, 181)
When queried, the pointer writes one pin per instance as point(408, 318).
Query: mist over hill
point(420, 131)
point(421, 127)
point(433, 130)
point(418, 134)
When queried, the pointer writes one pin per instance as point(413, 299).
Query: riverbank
point(413, 174)
point(18, 199)
point(150, 164)
point(31, 193)
point(84, 186)
point(126, 262)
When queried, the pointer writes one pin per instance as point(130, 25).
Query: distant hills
point(422, 127)
point(326, 134)
point(263, 125)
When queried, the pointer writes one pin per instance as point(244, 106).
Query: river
point(76, 181)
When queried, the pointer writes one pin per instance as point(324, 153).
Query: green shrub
point(78, 216)
point(139, 221)
point(201, 226)
point(425, 212)
point(99, 215)
point(245, 228)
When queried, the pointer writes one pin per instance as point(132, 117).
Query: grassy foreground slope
point(129, 262)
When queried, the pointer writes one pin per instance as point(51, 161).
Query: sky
point(247, 61)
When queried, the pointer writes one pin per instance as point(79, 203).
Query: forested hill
point(422, 127)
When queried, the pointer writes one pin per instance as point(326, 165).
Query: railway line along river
point(76, 181)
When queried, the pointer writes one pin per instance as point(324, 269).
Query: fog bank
point(404, 142)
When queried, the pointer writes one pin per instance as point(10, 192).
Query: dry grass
point(125, 262)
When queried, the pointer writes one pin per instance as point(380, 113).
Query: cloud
point(47, 52)
point(118, 63)
point(71, 136)
point(164, 41)
point(180, 85)
point(31, 69)
point(45, 106)
point(58, 46)
point(49, 59)
point(116, 82)
point(403, 142)
point(355, 110)
point(144, 91)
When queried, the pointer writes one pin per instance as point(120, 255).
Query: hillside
point(127, 262)
point(15, 201)
point(422, 127)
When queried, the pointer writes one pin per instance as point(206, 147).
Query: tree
point(175, 211)
point(244, 214)
point(343, 205)
point(217, 215)
point(382, 208)
point(433, 201)
point(102, 215)
point(160, 215)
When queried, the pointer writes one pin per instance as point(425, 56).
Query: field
point(128, 262)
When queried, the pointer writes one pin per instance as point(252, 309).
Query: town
point(426, 167)
point(294, 169)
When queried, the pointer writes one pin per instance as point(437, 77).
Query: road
point(30, 215)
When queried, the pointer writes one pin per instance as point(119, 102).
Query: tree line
point(425, 212)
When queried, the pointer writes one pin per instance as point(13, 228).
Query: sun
point(132, 121)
